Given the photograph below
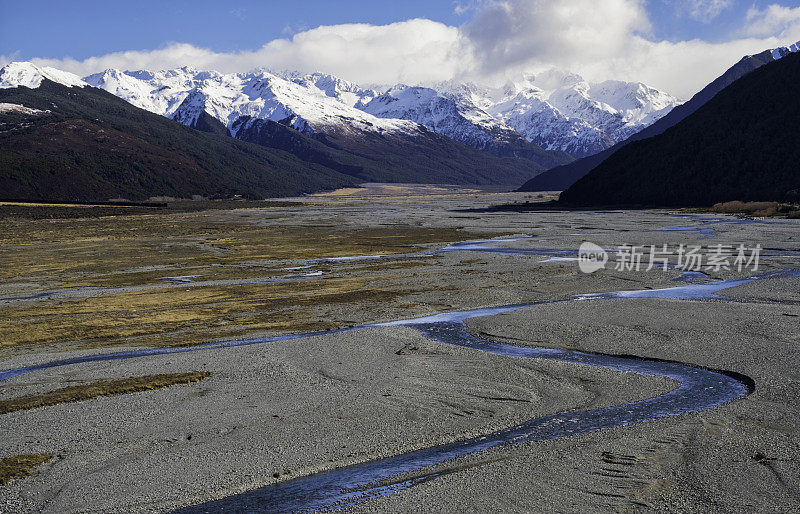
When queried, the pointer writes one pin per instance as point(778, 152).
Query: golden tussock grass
point(102, 252)
point(186, 315)
point(115, 387)
point(20, 466)
point(138, 250)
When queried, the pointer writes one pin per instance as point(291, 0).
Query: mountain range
point(61, 142)
point(562, 177)
point(739, 145)
point(549, 118)
point(61, 138)
point(455, 133)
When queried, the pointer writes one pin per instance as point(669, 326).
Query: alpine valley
point(457, 133)
point(417, 265)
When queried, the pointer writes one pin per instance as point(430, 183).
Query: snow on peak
point(332, 86)
point(309, 103)
point(555, 109)
point(160, 92)
point(451, 111)
point(192, 106)
point(559, 110)
point(26, 74)
point(783, 51)
point(553, 79)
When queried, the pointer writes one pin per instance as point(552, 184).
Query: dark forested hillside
point(91, 145)
point(741, 145)
point(561, 177)
point(425, 157)
point(87, 144)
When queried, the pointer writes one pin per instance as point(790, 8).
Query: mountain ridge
point(560, 178)
point(83, 143)
point(740, 145)
point(483, 118)
point(117, 149)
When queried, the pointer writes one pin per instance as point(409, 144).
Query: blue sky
point(677, 45)
point(81, 29)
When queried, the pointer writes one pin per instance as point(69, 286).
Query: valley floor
point(276, 410)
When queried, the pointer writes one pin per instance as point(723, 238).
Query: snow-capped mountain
point(331, 134)
point(28, 75)
point(451, 114)
point(317, 104)
point(541, 118)
point(563, 177)
point(783, 51)
point(158, 92)
point(308, 103)
point(83, 143)
point(452, 110)
point(555, 110)
point(562, 111)
point(345, 92)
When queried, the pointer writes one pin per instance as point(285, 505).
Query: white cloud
point(705, 10)
point(600, 39)
point(5, 59)
point(774, 20)
point(461, 8)
point(409, 51)
point(680, 68)
point(511, 33)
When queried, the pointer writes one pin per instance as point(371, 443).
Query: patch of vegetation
point(75, 250)
point(139, 250)
point(20, 466)
point(35, 211)
point(181, 316)
point(758, 209)
point(80, 393)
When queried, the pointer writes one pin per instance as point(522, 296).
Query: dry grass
point(101, 388)
point(232, 245)
point(187, 315)
point(758, 209)
point(20, 466)
point(130, 250)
